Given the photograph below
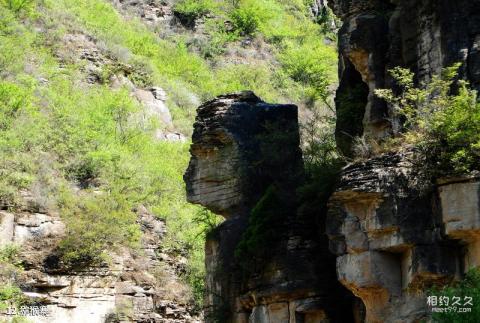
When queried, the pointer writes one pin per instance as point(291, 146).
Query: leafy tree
point(442, 117)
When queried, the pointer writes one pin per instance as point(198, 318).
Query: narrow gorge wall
point(396, 229)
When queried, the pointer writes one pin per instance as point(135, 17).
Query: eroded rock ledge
point(397, 231)
point(395, 228)
point(242, 147)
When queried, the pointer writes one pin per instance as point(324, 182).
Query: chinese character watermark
point(447, 304)
point(31, 310)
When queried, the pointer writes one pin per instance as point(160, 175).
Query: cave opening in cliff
point(351, 100)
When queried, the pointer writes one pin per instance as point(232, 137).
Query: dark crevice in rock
point(351, 100)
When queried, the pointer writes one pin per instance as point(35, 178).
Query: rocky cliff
point(397, 232)
point(263, 262)
point(376, 36)
point(394, 227)
point(397, 229)
point(133, 286)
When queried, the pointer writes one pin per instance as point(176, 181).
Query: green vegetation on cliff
point(301, 66)
point(10, 293)
point(262, 232)
point(460, 293)
point(79, 149)
point(441, 117)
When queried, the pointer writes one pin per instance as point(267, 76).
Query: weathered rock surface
point(136, 287)
point(396, 232)
point(241, 147)
point(423, 35)
point(234, 152)
point(460, 203)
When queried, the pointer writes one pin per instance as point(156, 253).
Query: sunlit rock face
point(460, 202)
point(396, 231)
point(241, 147)
point(423, 35)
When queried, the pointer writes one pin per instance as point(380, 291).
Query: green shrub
point(15, 170)
point(10, 295)
point(262, 231)
point(446, 124)
point(246, 20)
point(217, 40)
point(96, 224)
point(13, 56)
point(18, 6)
point(12, 100)
point(206, 220)
point(467, 287)
point(10, 254)
point(250, 16)
point(10, 267)
point(190, 10)
point(310, 63)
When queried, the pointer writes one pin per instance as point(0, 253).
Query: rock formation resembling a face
point(213, 179)
point(235, 152)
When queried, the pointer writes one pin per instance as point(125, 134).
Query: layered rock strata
point(139, 286)
point(397, 232)
point(395, 229)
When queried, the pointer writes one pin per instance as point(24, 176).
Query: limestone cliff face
point(423, 35)
point(242, 150)
point(397, 231)
point(394, 228)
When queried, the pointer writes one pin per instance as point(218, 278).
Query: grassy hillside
point(77, 148)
